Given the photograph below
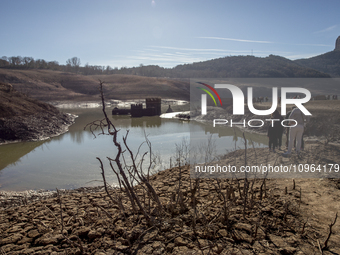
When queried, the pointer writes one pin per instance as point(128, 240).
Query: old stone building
point(337, 44)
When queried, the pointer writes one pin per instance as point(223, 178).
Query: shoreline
point(110, 102)
point(39, 134)
point(272, 223)
point(18, 198)
point(41, 193)
point(308, 140)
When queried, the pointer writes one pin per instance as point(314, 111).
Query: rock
point(180, 250)
point(223, 232)
point(33, 233)
point(203, 242)
point(28, 251)
point(93, 234)
point(284, 248)
point(47, 239)
point(268, 209)
point(28, 228)
point(15, 229)
point(22, 247)
point(164, 188)
point(121, 247)
point(25, 240)
point(179, 241)
point(278, 241)
point(243, 252)
point(11, 239)
point(241, 236)
point(76, 251)
point(244, 226)
point(147, 249)
point(158, 248)
point(287, 250)
point(8, 248)
point(170, 247)
point(82, 231)
point(150, 235)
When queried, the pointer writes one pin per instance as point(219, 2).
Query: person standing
point(295, 132)
point(272, 143)
point(275, 130)
point(279, 128)
point(287, 131)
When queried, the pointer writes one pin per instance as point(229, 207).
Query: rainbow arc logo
point(209, 93)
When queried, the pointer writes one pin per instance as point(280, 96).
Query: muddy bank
point(35, 127)
point(25, 119)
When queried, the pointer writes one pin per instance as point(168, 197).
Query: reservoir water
point(69, 160)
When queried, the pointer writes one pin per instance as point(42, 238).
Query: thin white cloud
point(219, 52)
point(308, 44)
point(153, 49)
point(168, 56)
point(185, 49)
point(326, 29)
point(318, 45)
point(232, 39)
point(252, 41)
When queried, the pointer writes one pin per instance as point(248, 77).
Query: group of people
point(334, 97)
point(260, 99)
point(294, 133)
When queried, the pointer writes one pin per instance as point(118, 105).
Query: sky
point(127, 33)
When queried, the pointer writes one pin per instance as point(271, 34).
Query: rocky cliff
point(337, 44)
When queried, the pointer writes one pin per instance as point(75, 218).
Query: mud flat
point(203, 216)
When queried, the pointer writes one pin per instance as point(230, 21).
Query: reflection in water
point(69, 160)
point(10, 154)
point(146, 122)
point(252, 138)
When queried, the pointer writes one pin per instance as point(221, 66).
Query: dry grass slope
point(54, 85)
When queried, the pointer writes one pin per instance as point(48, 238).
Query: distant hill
point(155, 81)
point(231, 67)
point(328, 63)
point(247, 67)
point(48, 85)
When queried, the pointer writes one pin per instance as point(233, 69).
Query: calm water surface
point(69, 161)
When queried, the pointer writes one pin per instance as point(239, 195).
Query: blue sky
point(166, 32)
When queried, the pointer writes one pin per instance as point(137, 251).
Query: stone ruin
point(153, 108)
